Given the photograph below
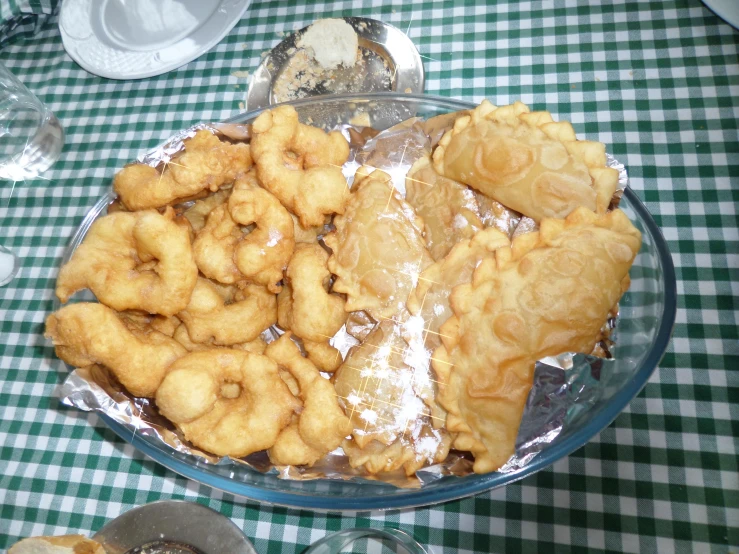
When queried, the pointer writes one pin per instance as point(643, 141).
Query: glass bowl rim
point(454, 489)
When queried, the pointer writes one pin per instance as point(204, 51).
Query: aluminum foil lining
point(563, 385)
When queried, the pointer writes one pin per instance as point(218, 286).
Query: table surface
point(658, 82)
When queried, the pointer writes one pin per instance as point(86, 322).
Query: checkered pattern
point(656, 81)
point(23, 18)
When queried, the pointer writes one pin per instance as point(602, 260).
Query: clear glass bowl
point(647, 316)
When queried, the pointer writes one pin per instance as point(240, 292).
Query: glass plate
point(647, 316)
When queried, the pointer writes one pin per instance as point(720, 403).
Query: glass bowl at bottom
point(647, 316)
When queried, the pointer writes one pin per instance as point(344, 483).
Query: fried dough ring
point(89, 333)
point(229, 402)
point(133, 260)
point(225, 316)
point(207, 163)
point(526, 161)
point(300, 165)
point(322, 425)
point(262, 255)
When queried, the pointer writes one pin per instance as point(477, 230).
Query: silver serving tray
point(390, 63)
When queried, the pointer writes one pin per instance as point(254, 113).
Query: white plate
point(134, 39)
point(728, 10)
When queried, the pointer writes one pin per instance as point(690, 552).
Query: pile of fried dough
point(447, 313)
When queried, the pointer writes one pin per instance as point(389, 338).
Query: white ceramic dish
point(728, 10)
point(134, 39)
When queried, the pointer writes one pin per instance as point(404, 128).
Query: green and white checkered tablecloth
point(656, 81)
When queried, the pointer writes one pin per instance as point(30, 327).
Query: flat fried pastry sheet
point(563, 386)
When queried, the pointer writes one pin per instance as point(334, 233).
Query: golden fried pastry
point(316, 314)
point(228, 402)
point(526, 161)
point(215, 245)
point(197, 214)
point(291, 450)
point(377, 383)
point(547, 294)
point(430, 299)
point(67, 544)
point(226, 316)
point(448, 209)
point(429, 303)
point(144, 322)
point(305, 306)
point(257, 346)
point(495, 214)
point(412, 452)
point(133, 260)
point(308, 235)
point(322, 424)
point(385, 385)
point(88, 333)
point(206, 164)
point(378, 248)
point(300, 165)
point(263, 254)
point(322, 355)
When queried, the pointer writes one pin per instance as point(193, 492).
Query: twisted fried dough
point(224, 316)
point(316, 313)
point(215, 244)
point(324, 356)
point(300, 165)
point(207, 163)
point(262, 255)
point(181, 335)
point(322, 424)
point(90, 333)
point(133, 260)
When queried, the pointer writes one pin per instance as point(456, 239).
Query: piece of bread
point(69, 544)
point(333, 42)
